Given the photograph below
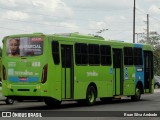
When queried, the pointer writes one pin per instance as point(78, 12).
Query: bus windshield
point(24, 46)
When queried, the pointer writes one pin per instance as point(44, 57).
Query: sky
point(113, 17)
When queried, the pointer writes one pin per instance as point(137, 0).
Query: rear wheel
point(137, 95)
point(9, 101)
point(91, 95)
point(50, 102)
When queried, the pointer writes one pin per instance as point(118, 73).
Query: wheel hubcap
point(91, 97)
point(137, 92)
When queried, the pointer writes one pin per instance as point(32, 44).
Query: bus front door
point(118, 71)
point(148, 71)
point(67, 71)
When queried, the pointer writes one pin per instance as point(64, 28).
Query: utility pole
point(134, 12)
point(147, 28)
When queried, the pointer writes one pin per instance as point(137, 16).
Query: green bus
point(72, 66)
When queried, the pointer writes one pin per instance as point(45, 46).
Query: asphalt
point(2, 97)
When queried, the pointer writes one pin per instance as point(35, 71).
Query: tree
point(154, 40)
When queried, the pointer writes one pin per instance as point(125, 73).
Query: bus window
point(105, 55)
point(81, 53)
point(55, 52)
point(138, 56)
point(94, 54)
point(128, 56)
point(24, 46)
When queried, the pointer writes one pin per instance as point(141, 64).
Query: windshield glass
point(24, 46)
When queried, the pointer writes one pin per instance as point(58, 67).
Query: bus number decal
point(36, 64)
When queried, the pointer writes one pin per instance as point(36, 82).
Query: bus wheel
point(9, 101)
point(137, 95)
point(91, 95)
point(50, 102)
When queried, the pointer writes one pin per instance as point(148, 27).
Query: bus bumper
point(23, 90)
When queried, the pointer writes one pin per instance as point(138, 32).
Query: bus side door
point(148, 71)
point(118, 71)
point(67, 71)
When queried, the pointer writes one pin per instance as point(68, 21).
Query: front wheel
point(137, 95)
point(91, 95)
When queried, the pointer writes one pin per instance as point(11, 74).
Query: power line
point(37, 23)
point(51, 24)
point(63, 16)
point(155, 18)
point(146, 14)
point(14, 29)
point(83, 9)
point(141, 11)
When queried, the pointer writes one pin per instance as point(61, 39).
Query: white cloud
point(48, 7)
point(122, 17)
point(87, 16)
point(102, 4)
point(151, 1)
point(71, 26)
point(22, 16)
point(15, 15)
point(52, 7)
point(97, 25)
point(154, 9)
point(9, 3)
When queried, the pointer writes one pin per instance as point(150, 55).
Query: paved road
point(149, 102)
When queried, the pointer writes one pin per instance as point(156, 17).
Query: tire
point(9, 101)
point(91, 96)
point(137, 95)
point(52, 103)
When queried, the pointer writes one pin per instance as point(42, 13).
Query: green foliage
point(154, 39)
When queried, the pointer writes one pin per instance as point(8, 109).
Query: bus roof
point(82, 38)
point(78, 35)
